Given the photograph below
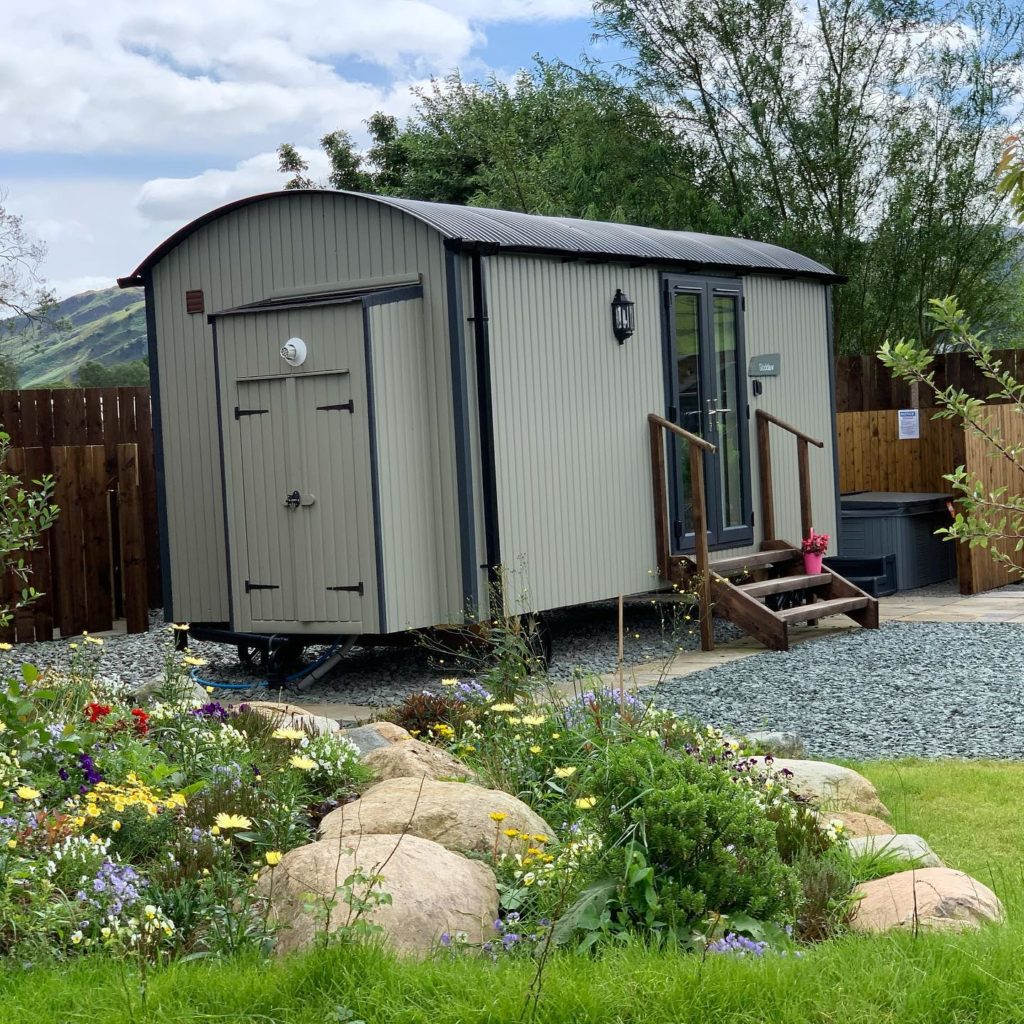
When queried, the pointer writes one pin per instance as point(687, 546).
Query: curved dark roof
point(506, 230)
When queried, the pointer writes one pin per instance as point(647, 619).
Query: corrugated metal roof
point(474, 226)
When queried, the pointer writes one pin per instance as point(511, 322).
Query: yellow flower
point(178, 627)
point(511, 832)
point(196, 662)
point(288, 734)
point(232, 821)
point(301, 762)
point(566, 772)
point(497, 816)
point(540, 838)
point(115, 825)
point(27, 793)
point(76, 938)
point(534, 719)
point(95, 839)
point(505, 708)
point(556, 735)
point(93, 640)
point(586, 802)
point(273, 857)
point(535, 749)
point(449, 682)
point(12, 843)
point(6, 647)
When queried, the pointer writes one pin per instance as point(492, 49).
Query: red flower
point(141, 721)
point(97, 711)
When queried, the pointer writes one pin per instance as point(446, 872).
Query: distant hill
point(106, 326)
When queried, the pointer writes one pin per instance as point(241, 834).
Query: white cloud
point(202, 76)
point(175, 201)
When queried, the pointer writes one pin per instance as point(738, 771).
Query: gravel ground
point(935, 689)
point(584, 643)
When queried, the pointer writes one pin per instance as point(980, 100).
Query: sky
point(121, 120)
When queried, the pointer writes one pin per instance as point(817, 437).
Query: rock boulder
point(935, 898)
point(432, 891)
point(291, 716)
point(903, 846)
point(454, 814)
point(828, 786)
point(375, 735)
point(856, 824)
point(416, 760)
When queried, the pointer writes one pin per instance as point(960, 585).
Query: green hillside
point(107, 326)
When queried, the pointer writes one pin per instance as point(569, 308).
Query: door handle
point(713, 409)
point(293, 500)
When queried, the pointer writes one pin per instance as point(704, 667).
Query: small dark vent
point(194, 301)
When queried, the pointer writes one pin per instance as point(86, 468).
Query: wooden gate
point(91, 567)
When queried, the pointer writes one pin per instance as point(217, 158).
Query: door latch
point(293, 500)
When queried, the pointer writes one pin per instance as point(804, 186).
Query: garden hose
point(304, 671)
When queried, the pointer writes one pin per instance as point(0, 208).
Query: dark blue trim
point(371, 426)
point(223, 474)
point(830, 335)
point(463, 451)
point(485, 407)
point(376, 297)
point(167, 592)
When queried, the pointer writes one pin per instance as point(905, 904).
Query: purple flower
point(212, 710)
point(737, 945)
point(89, 770)
point(63, 773)
point(446, 939)
point(471, 692)
point(509, 939)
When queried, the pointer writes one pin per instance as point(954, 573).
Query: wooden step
point(726, 566)
point(786, 584)
point(821, 609)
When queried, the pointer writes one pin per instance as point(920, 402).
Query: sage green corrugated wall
point(289, 242)
point(407, 468)
point(570, 408)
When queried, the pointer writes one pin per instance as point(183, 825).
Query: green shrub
point(708, 842)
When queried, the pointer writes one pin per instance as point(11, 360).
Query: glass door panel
point(728, 398)
point(689, 394)
point(707, 397)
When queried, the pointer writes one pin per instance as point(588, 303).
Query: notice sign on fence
point(910, 424)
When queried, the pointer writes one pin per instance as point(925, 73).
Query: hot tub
point(874, 523)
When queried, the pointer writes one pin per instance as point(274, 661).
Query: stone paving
point(930, 604)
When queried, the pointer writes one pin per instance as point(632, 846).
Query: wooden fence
point(873, 458)
point(863, 383)
point(100, 560)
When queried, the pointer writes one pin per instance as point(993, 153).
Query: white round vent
point(293, 351)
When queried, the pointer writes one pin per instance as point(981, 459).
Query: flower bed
point(123, 828)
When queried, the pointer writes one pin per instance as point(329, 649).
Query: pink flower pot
point(812, 564)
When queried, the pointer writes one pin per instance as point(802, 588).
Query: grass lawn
point(971, 812)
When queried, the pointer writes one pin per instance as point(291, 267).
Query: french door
point(707, 395)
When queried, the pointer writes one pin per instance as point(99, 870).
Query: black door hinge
point(677, 530)
point(349, 405)
point(239, 413)
point(356, 589)
point(249, 587)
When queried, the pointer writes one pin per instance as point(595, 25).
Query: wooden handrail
point(762, 415)
point(764, 459)
point(674, 428)
point(697, 445)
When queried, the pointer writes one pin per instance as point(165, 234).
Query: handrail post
point(764, 468)
point(700, 541)
point(804, 461)
point(660, 499)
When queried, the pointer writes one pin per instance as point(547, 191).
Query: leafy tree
point(129, 374)
point(860, 133)
point(22, 291)
point(992, 519)
point(8, 374)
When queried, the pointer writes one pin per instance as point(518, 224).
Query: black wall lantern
point(623, 317)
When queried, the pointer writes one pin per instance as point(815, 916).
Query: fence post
point(804, 460)
point(764, 469)
point(133, 544)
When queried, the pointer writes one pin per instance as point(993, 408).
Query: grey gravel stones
point(928, 689)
